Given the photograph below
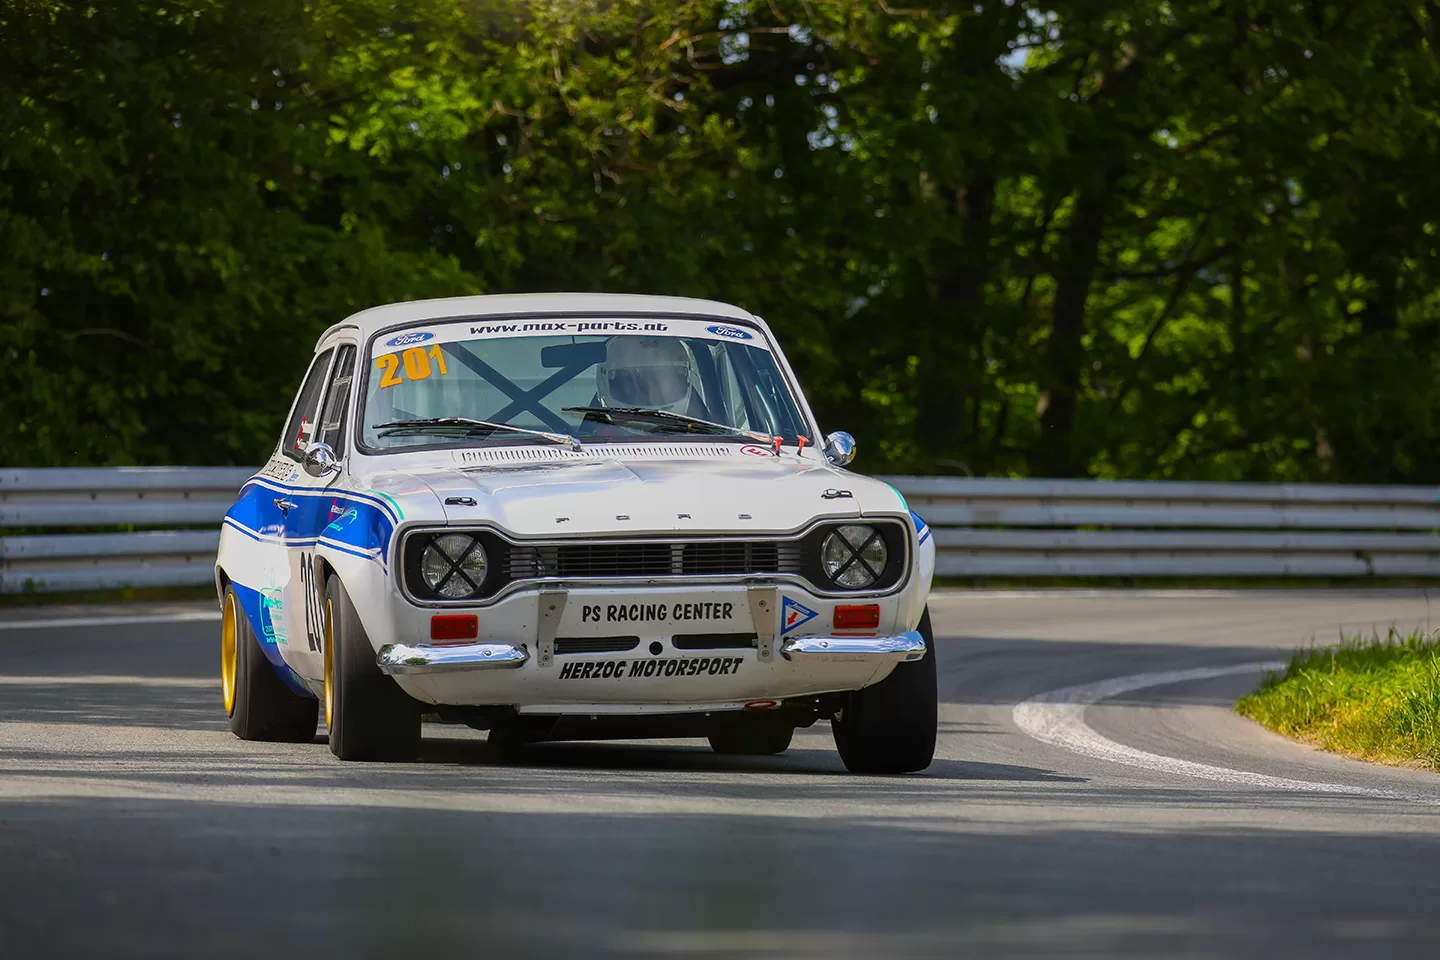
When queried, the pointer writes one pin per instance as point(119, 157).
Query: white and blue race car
point(571, 516)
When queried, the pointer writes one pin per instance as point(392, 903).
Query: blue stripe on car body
point(920, 526)
point(363, 528)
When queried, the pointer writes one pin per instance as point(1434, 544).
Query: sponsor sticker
point(710, 612)
point(272, 617)
point(751, 450)
point(461, 331)
point(653, 667)
point(409, 339)
point(570, 326)
point(794, 615)
point(731, 333)
point(278, 469)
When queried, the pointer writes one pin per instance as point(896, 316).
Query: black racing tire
point(259, 704)
point(369, 717)
point(752, 736)
point(889, 727)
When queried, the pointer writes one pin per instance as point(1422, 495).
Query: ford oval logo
point(730, 333)
point(406, 339)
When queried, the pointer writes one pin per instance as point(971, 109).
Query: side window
point(334, 420)
point(301, 428)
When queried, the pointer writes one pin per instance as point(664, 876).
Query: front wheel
point(889, 727)
point(369, 717)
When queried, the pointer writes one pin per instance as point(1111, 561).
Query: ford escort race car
point(571, 516)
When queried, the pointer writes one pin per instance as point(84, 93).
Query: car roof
point(512, 304)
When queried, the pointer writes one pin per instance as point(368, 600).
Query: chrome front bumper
point(907, 646)
point(438, 658)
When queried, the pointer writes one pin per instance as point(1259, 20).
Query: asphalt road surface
point(1154, 822)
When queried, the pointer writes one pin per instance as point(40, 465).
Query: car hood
point(617, 496)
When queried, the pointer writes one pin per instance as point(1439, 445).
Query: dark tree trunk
point(1056, 453)
point(946, 362)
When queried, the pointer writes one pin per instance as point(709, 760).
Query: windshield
point(663, 379)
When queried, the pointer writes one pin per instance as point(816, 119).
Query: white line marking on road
point(89, 679)
point(1058, 718)
point(184, 617)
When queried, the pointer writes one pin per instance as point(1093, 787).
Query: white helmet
point(657, 373)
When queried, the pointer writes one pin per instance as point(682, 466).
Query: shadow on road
point(609, 756)
point(173, 878)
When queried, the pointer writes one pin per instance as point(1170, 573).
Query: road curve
point(133, 824)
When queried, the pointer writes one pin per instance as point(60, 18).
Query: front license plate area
point(654, 617)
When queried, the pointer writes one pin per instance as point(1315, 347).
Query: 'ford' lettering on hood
point(406, 339)
point(730, 333)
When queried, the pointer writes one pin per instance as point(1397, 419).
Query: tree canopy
point(1112, 238)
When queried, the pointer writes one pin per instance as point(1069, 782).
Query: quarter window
point(301, 429)
point(333, 420)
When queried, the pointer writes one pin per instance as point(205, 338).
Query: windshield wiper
point(646, 415)
point(473, 425)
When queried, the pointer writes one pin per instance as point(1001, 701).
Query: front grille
point(595, 644)
point(730, 557)
point(652, 558)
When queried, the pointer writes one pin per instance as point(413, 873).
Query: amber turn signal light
point(866, 617)
point(453, 626)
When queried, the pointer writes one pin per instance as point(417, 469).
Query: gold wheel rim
point(329, 663)
point(229, 653)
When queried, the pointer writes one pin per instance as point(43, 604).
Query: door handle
point(285, 505)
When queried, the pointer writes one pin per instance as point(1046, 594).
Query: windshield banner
point(499, 328)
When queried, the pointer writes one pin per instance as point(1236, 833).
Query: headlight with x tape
point(453, 566)
point(854, 556)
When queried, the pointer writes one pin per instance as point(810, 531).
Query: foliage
point(1081, 237)
point(1373, 699)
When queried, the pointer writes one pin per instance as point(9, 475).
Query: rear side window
point(337, 402)
point(301, 429)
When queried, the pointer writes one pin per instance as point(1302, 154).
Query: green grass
point(1372, 698)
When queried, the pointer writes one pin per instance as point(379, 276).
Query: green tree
point(1104, 237)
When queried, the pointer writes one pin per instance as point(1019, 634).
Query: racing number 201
point(416, 362)
point(314, 613)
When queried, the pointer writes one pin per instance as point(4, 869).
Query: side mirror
point(840, 448)
point(320, 460)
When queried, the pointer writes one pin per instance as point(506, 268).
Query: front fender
point(924, 573)
point(368, 585)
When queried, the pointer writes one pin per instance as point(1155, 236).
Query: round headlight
point(853, 556)
point(453, 566)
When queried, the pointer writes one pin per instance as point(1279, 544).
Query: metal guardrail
point(984, 527)
point(1088, 528)
point(111, 497)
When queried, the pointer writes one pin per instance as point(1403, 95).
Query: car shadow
point(677, 758)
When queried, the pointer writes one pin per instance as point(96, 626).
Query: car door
point(315, 506)
point(281, 629)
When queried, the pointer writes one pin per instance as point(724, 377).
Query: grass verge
point(1373, 698)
